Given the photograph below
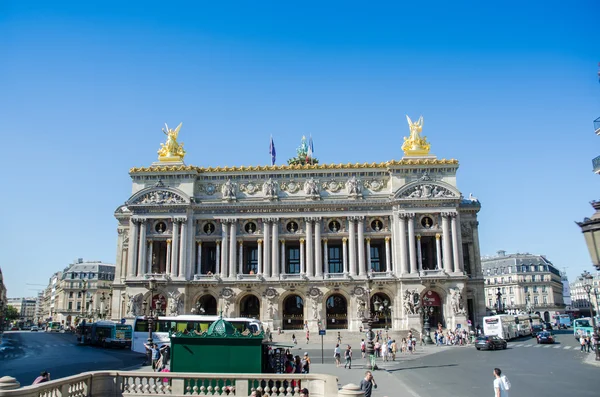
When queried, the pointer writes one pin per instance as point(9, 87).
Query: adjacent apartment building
point(523, 283)
point(581, 303)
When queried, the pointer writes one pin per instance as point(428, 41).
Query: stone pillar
point(393, 266)
point(310, 258)
point(241, 257)
point(476, 264)
point(198, 257)
point(224, 250)
point(276, 266)
point(446, 241)
point(183, 260)
point(169, 249)
point(369, 266)
point(175, 248)
point(133, 246)
point(455, 245)
point(282, 242)
point(352, 245)
point(402, 245)
point(362, 271)
point(318, 252)
point(232, 248)
point(267, 248)
point(149, 259)
point(438, 251)
point(326, 257)
point(419, 253)
point(345, 254)
point(218, 258)
point(260, 256)
point(141, 265)
point(412, 252)
point(302, 257)
point(387, 254)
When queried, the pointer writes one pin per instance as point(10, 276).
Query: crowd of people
point(458, 337)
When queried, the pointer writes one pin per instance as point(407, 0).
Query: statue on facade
point(362, 308)
point(354, 187)
point(174, 303)
point(311, 187)
point(132, 306)
point(407, 302)
point(456, 301)
point(270, 188)
point(228, 190)
point(415, 144)
point(171, 150)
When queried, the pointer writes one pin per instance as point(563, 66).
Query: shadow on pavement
point(422, 367)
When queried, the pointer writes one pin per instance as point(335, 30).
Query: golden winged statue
point(171, 150)
point(415, 144)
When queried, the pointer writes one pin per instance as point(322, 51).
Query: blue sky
point(509, 90)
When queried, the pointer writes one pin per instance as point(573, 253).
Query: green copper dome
point(220, 328)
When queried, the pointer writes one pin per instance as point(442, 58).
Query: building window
point(70, 306)
point(533, 278)
point(251, 264)
point(510, 290)
point(489, 302)
point(335, 264)
point(376, 258)
point(78, 306)
point(525, 289)
point(71, 294)
point(535, 300)
point(466, 259)
point(501, 280)
point(545, 298)
point(509, 269)
point(543, 288)
point(509, 279)
point(79, 294)
point(495, 280)
point(524, 269)
point(535, 289)
point(293, 260)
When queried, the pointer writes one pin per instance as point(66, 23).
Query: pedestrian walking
point(582, 343)
point(307, 336)
point(348, 357)
point(394, 350)
point(368, 384)
point(384, 352)
point(294, 341)
point(363, 348)
point(337, 354)
point(339, 338)
point(165, 352)
point(501, 384)
point(306, 364)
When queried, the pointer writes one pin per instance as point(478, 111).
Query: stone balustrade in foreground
point(130, 383)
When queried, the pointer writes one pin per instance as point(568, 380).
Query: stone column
point(352, 245)
point(232, 248)
point(302, 259)
point(438, 251)
point(387, 254)
point(402, 245)
point(276, 266)
point(267, 248)
point(260, 256)
point(169, 249)
point(218, 258)
point(133, 246)
point(224, 248)
point(476, 264)
point(447, 245)
point(282, 241)
point(149, 259)
point(141, 265)
point(175, 248)
point(369, 265)
point(419, 253)
point(345, 255)
point(456, 248)
point(326, 257)
point(393, 265)
point(412, 252)
point(241, 257)
point(183, 260)
point(318, 252)
point(310, 258)
point(198, 257)
point(362, 271)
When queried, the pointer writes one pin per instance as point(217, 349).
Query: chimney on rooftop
point(501, 253)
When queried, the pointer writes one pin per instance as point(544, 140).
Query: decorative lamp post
point(110, 295)
point(91, 311)
point(427, 312)
point(499, 302)
point(83, 291)
point(152, 311)
point(587, 278)
point(367, 321)
point(590, 227)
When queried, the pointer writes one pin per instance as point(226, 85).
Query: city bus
point(525, 323)
point(583, 326)
point(502, 325)
point(183, 323)
point(53, 326)
point(108, 334)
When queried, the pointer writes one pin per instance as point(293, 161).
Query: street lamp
point(499, 302)
point(590, 227)
point(587, 278)
point(367, 321)
point(83, 291)
point(154, 310)
point(384, 308)
point(427, 312)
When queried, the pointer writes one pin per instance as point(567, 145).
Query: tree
point(11, 313)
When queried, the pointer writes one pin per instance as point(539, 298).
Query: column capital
point(449, 214)
point(199, 242)
point(169, 241)
point(302, 241)
point(240, 242)
point(438, 236)
point(406, 215)
point(419, 237)
point(474, 223)
point(149, 241)
point(218, 242)
point(138, 220)
point(345, 239)
point(282, 240)
point(387, 239)
point(266, 220)
point(259, 241)
point(368, 239)
point(179, 219)
point(324, 240)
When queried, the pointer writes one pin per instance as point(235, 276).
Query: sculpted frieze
point(375, 184)
point(290, 186)
point(427, 191)
point(160, 197)
point(250, 187)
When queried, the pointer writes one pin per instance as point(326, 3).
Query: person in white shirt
point(500, 389)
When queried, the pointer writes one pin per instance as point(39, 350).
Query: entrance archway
point(293, 312)
point(207, 305)
point(250, 306)
point(336, 308)
point(381, 305)
point(432, 302)
point(547, 317)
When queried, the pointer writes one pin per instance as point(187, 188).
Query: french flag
point(272, 151)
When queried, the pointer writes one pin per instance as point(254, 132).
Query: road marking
point(527, 345)
point(557, 347)
point(519, 345)
point(537, 346)
point(567, 347)
point(547, 346)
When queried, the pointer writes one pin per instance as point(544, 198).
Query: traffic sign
point(122, 321)
point(322, 332)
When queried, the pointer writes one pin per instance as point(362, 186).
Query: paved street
point(29, 353)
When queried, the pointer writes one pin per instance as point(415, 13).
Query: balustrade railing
point(130, 383)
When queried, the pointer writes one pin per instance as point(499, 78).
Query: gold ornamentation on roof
point(171, 151)
point(415, 145)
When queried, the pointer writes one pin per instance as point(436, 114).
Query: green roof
point(221, 328)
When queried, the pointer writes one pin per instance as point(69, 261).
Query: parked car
point(547, 327)
point(535, 329)
point(490, 343)
point(15, 328)
point(545, 337)
point(34, 328)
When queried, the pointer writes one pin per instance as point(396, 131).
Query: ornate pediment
point(427, 191)
point(159, 197)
